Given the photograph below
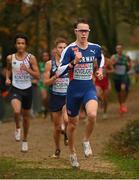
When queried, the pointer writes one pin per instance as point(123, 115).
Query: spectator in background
point(36, 100)
point(3, 90)
point(44, 90)
point(136, 69)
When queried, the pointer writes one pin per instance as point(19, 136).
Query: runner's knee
point(57, 126)
point(91, 115)
point(72, 125)
point(16, 113)
point(26, 117)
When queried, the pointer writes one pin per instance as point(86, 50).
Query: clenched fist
point(78, 56)
point(8, 82)
point(99, 73)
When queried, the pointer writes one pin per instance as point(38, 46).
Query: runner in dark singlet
point(121, 64)
point(57, 94)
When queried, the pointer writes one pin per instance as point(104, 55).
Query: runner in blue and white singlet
point(79, 59)
point(81, 85)
point(57, 95)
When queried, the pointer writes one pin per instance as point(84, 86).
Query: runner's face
point(82, 32)
point(45, 56)
point(60, 47)
point(119, 49)
point(20, 45)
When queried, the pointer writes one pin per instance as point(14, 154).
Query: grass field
point(10, 168)
point(127, 167)
point(105, 164)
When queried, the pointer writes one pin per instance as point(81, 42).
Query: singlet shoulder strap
point(28, 57)
point(53, 62)
point(53, 66)
point(13, 57)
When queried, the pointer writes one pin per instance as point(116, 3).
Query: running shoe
point(87, 149)
point(57, 154)
point(105, 116)
point(74, 161)
point(123, 109)
point(24, 147)
point(18, 134)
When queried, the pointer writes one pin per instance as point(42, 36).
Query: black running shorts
point(56, 102)
point(23, 95)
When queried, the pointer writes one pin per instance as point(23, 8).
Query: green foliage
point(128, 11)
point(126, 142)
point(122, 151)
point(45, 20)
point(127, 167)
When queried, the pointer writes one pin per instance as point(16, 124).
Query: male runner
point(22, 66)
point(121, 64)
point(78, 59)
point(103, 86)
point(57, 97)
point(43, 89)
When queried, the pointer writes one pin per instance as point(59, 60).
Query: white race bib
point(22, 77)
point(83, 71)
point(120, 69)
point(60, 85)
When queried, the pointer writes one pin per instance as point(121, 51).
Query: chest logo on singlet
point(19, 75)
point(93, 51)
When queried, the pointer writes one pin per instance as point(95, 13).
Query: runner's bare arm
point(8, 70)
point(100, 64)
point(113, 61)
point(33, 70)
point(109, 68)
point(47, 79)
point(129, 62)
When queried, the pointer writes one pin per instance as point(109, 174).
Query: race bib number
point(83, 71)
point(22, 77)
point(120, 69)
point(60, 85)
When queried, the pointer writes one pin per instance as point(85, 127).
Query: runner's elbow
point(46, 82)
point(37, 76)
